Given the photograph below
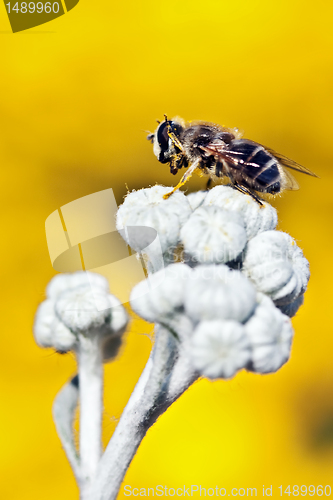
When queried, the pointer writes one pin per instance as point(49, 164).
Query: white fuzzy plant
point(222, 287)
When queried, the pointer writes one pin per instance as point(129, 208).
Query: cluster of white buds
point(80, 315)
point(80, 305)
point(222, 286)
point(230, 300)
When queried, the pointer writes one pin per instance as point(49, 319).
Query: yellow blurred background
point(77, 95)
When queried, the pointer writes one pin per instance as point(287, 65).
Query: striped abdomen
point(257, 169)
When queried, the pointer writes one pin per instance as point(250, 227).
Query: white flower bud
point(147, 207)
point(63, 339)
point(213, 235)
point(76, 308)
point(218, 292)
point(42, 325)
point(270, 333)
point(162, 294)
point(62, 282)
point(118, 316)
point(256, 218)
point(196, 199)
point(73, 311)
point(49, 331)
point(218, 349)
point(276, 265)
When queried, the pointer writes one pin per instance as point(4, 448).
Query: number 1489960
point(31, 7)
point(303, 490)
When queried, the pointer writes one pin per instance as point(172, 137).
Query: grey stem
point(151, 397)
point(90, 362)
point(63, 411)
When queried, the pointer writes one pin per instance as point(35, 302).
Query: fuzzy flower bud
point(72, 310)
point(270, 333)
point(162, 295)
point(147, 207)
point(47, 331)
point(213, 235)
point(204, 293)
point(218, 349)
point(218, 292)
point(277, 267)
point(62, 282)
point(256, 218)
point(196, 199)
point(63, 339)
point(76, 308)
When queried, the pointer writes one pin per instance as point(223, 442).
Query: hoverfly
point(218, 151)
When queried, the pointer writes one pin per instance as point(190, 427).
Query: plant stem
point(63, 410)
point(89, 357)
point(148, 401)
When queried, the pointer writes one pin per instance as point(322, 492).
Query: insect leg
point(208, 183)
point(244, 190)
point(184, 179)
point(175, 140)
point(176, 163)
point(173, 136)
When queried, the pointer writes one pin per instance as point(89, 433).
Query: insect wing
point(288, 181)
point(287, 162)
point(243, 154)
point(220, 150)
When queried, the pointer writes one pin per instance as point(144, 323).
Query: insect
point(218, 151)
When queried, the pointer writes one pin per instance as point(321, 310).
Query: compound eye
point(176, 128)
point(162, 136)
point(226, 137)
